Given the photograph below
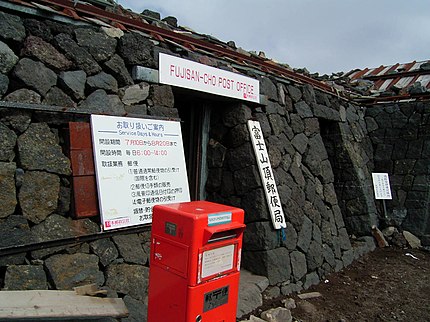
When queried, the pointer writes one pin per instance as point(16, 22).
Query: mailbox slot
point(222, 232)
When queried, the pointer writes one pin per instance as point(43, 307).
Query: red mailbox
point(195, 262)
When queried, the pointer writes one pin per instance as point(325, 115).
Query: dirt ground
point(386, 285)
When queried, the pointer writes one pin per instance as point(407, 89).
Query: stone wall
point(400, 135)
point(316, 240)
point(87, 70)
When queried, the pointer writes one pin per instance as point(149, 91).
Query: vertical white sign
point(381, 186)
point(266, 174)
point(139, 163)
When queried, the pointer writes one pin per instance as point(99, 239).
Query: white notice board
point(266, 174)
point(139, 163)
point(381, 186)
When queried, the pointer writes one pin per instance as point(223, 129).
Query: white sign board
point(381, 186)
point(266, 174)
point(188, 74)
point(139, 163)
point(218, 260)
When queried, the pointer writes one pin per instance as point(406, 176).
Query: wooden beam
point(64, 305)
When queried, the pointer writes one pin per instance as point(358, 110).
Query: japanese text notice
point(139, 163)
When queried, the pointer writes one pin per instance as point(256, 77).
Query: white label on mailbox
point(218, 260)
point(219, 218)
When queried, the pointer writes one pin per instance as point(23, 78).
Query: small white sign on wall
point(266, 174)
point(381, 186)
point(139, 163)
point(188, 74)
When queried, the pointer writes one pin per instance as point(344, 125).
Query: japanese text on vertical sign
point(266, 173)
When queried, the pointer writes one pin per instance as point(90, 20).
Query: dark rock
point(103, 81)
point(277, 123)
point(59, 28)
point(311, 279)
point(345, 243)
point(298, 265)
point(128, 279)
point(328, 255)
point(64, 200)
point(137, 310)
point(8, 59)
point(268, 88)
point(295, 93)
point(35, 75)
point(4, 84)
point(291, 241)
point(7, 189)
point(314, 256)
point(73, 83)
point(39, 150)
point(19, 120)
point(35, 47)
point(11, 28)
point(130, 249)
point(255, 206)
point(38, 195)
point(274, 264)
point(105, 250)
point(116, 67)
point(297, 124)
point(58, 227)
point(151, 14)
point(348, 257)
point(216, 154)
point(136, 49)
point(25, 277)
point(326, 172)
point(327, 113)
point(240, 157)
point(101, 102)
point(15, 231)
point(264, 124)
point(98, 44)
point(300, 142)
point(162, 95)
point(7, 143)
point(135, 94)
point(237, 115)
point(295, 213)
point(303, 110)
point(77, 54)
point(309, 94)
point(246, 179)
point(260, 236)
point(163, 111)
point(140, 109)
point(238, 135)
point(305, 235)
point(68, 271)
point(57, 97)
point(316, 153)
point(38, 28)
point(24, 95)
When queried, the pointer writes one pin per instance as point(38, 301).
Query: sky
point(324, 36)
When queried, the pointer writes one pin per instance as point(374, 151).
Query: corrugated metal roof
point(397, 75)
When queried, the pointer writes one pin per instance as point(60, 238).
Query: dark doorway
point(194, 115)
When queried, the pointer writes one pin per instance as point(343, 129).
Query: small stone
point(24, 95)
point(289, 303)
point(8, 59)
point(379, 236)
point(412, 240)
point(279, 314)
